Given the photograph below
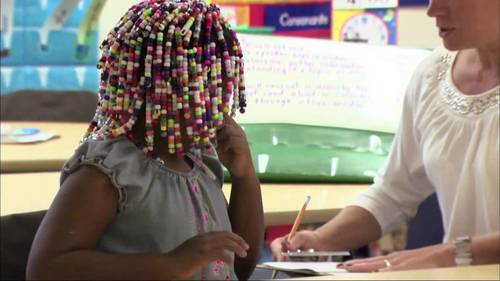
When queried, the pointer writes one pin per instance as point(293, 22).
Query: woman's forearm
point(352, 228)
point(485, 249)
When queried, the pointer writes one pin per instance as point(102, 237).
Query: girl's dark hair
point(173, 60)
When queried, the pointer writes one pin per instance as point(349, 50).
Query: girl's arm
point(246, 215)
point(65, 244)
point(245, 204)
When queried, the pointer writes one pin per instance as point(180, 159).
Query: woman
point(448, 143)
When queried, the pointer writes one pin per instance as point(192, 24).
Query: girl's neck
point(172, 161)
point(178, 164)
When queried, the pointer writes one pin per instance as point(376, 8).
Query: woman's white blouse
point(447, 142)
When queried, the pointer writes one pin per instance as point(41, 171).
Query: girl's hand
point(303, 240)
point(428, 257)
point(199, 251)
point(233, 150)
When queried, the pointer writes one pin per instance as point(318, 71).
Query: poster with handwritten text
point(325, 83)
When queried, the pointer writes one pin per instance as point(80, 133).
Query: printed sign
point(413, 2)
point(298, 17)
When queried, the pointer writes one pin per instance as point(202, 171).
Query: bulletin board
point(49, 45)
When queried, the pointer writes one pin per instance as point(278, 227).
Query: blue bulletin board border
point(63, 61)
point(413, 2)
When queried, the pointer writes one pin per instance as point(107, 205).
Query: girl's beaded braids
point(178, 59)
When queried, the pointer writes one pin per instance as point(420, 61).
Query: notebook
point(312, 268)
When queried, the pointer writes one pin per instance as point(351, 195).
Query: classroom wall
point(111, 13)
point(415, 28)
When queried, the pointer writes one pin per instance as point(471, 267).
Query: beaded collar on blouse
point(460, 103)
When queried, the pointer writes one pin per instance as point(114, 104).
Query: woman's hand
point(199, 251)
point(441, 255)
point(233, 150)
point(303, 240)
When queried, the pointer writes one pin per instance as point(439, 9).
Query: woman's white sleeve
point(402, 184)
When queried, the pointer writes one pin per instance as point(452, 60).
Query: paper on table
point(5, 129)
point(315, 253)
point(313, 268)
point(24, 135)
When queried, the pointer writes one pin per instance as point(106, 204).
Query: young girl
point(141, 198)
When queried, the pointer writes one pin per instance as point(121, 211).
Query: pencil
point(298, 219)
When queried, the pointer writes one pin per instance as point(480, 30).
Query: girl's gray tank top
point(158, 208)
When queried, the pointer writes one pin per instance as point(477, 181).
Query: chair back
point(38, 105)
point(426, 228)
point(16, 237)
